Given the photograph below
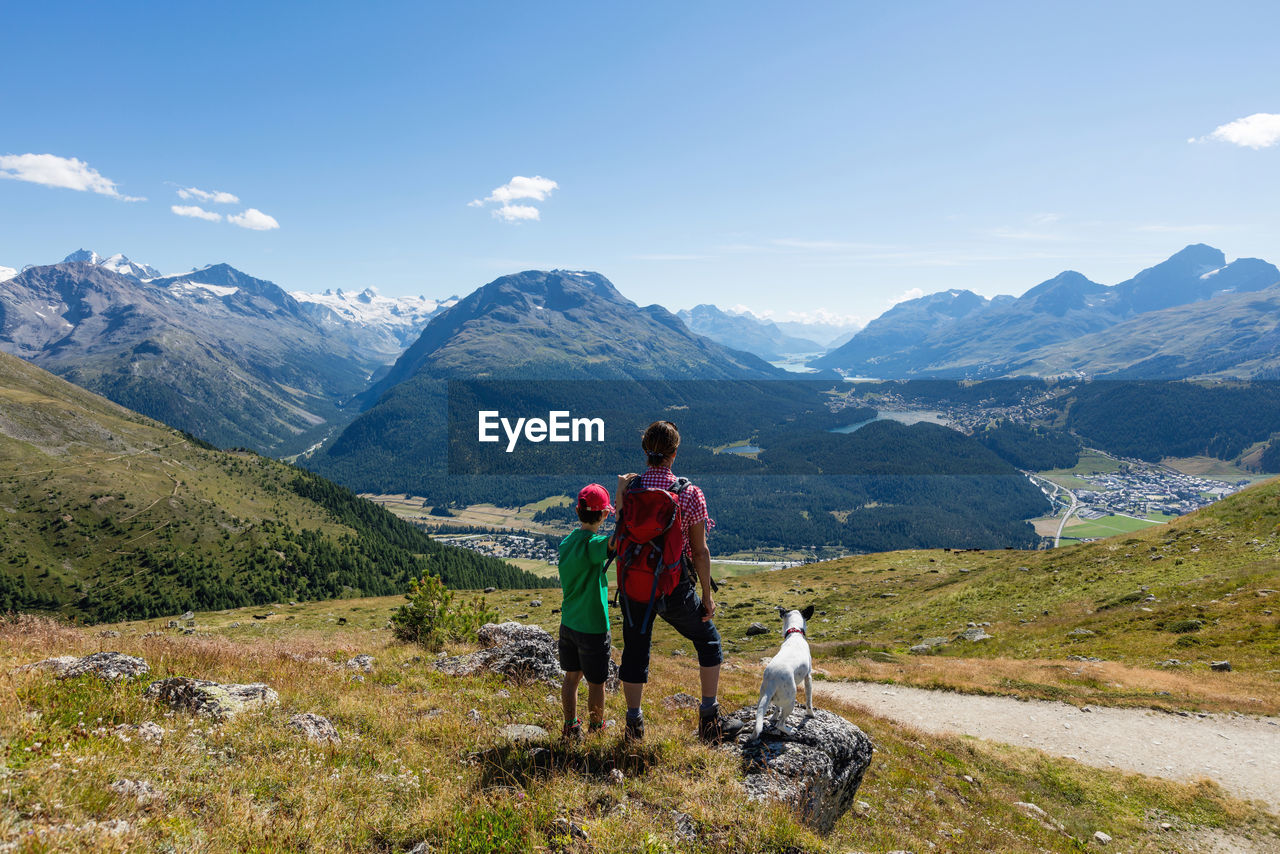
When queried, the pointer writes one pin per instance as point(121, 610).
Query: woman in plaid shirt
point(683, 609)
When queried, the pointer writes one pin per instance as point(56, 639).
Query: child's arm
point(624, 480)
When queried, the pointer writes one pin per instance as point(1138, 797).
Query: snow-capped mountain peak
point(376, 324)
point(7, 273)
point(83, 256)
point(117, 263)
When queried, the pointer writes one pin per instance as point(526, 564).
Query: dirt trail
point(1242, 754)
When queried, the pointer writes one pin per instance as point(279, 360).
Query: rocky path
point(1242, 754)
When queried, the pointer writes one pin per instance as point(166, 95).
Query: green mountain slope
point(107, 514)
point(1204, 587)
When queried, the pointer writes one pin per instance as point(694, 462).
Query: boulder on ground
point(757, 629)
point(211, 699)
point(519, 652)
point(108, 666)
point(927, 645)
point(817, 770)
point(315, 727)
point(362, 663)
point(523, 733)
point(497, 634)
point(974, 634)
point(1222, 666)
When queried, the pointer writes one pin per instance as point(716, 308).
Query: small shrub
point(1126, 599)
point(1181, 627)
point(429, 617)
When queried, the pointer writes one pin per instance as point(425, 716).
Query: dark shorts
point(585, 651)
point(682, 610)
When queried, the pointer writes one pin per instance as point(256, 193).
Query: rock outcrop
point(315, 727)
point(927, 645)
point(521, 653)
point(363, 663)
point(817, 770)
point(108, 666)
point(211, 699)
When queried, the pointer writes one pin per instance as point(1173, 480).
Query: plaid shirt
point(693, 504)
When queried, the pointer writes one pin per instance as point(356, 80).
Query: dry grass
point(413, 765)
point(1106, 683)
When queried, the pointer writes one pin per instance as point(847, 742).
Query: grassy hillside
point(1204, 588)
point(421, 759)
point(107, 514)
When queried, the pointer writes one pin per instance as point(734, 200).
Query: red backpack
point(649, 544)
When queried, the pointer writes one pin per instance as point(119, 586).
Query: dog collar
point(790, 632)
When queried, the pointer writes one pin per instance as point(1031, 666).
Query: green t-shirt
point(584, 582)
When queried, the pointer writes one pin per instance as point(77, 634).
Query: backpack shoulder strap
point(681, 484)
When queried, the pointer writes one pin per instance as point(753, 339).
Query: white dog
point(785, 671)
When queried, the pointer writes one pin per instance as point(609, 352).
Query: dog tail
point(760, 711)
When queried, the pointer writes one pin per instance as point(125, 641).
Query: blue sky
point(784, 157)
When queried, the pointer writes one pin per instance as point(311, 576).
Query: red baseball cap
point(593, 496)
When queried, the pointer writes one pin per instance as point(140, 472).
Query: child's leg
point(595, 668)
point(569, 694)
point(595, 702)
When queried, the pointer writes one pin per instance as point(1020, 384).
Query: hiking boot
point(572, 730)
point(715, 728)
point(635, 730)
point(595, 727)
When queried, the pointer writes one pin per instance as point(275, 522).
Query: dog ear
point(782, 612)
point(807, 613)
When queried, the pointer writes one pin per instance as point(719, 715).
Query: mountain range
point(745, 331)
point(216, 352)
point(530, 326)
point(375, 327)
point(1175, 320)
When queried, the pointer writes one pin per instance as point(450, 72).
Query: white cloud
point(515, 213)
point(216, 197)
point(53, 171)
point(520, 187)
point(535, 189)
point(818, 315)
point(253, 219)
point(908, 294)
point(1260, 130)
point(196, 212)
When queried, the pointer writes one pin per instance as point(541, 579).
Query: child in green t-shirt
point(584, 615)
